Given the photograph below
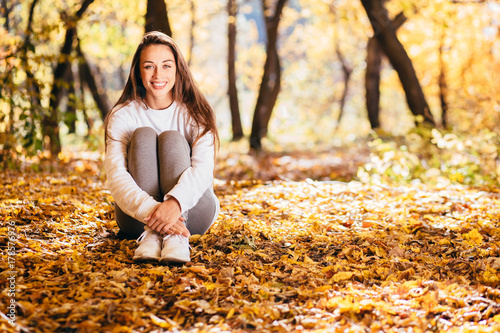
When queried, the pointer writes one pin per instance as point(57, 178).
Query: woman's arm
point(196, 179)
point(125, 191)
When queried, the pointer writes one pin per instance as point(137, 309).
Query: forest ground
point(289, 252)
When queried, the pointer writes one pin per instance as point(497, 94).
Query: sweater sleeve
point(196, 179)
point(127, 194)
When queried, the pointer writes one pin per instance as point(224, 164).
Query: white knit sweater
point(193, 182)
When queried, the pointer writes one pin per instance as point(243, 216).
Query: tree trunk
point(50, 121)
point(270, 84)
point(372, 81)
point(347, 70)
point(232, 91)
point(399, 59)
point(275, 83)
point(32, 86)
point(443, 87)
point(372, 75)
point(70, 114)
point(157, 18)
point(93, 81)
point(191, 32)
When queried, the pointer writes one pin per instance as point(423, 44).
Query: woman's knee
point(144, 134)
point(173, 140)
point(172, 136)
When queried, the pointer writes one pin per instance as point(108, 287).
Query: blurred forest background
point(411, 84)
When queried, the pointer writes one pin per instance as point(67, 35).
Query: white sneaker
point(149, 248)
point(175, 249)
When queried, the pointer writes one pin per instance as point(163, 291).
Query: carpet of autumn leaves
point(287, 254)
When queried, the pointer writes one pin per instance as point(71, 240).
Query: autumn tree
point(385, 33)
point(50, 121)
point(41, 118)
point(271, 79)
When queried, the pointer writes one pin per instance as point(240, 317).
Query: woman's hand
point(166, 218)
point(179, 229)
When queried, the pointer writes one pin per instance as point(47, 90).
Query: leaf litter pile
point(283, 256)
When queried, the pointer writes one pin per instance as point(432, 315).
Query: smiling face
point(158, 71)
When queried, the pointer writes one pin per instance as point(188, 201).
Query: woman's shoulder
point(126, 108)
point(122, 115)
point(180, 107)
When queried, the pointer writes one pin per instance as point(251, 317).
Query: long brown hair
point(185, 90)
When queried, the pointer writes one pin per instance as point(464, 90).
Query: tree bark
point(232, 91)
point(385, 33)
point(157, 17)
point(372, 74)
point(372, 81)
point(70, 114)
point(271, 80)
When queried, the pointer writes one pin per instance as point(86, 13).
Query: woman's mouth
point(159, 85)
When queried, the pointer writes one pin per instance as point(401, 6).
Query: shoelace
point(144, 235)
point(183, 239)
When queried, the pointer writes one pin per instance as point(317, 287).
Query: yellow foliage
point(282, 257)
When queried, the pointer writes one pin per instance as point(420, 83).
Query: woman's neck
point(157, 104)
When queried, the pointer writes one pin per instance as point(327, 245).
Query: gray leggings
point(156, 163)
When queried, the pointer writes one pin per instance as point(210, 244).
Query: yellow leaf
point(308, 260)
point(327, 268)
point(342, 276)
point(67, 190)
point(194, 239)
point(168, 323)
point(198, 269)
point(322, 288)
point(444, 241)
point(230, 313)
point(473, 237)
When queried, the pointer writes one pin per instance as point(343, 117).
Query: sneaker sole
point(167, 260)
point(146, 259)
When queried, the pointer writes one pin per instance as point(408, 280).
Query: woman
point(161, 138)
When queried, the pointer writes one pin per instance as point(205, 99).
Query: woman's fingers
point(165, 219)
point(163, 216)
point(177, 229)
